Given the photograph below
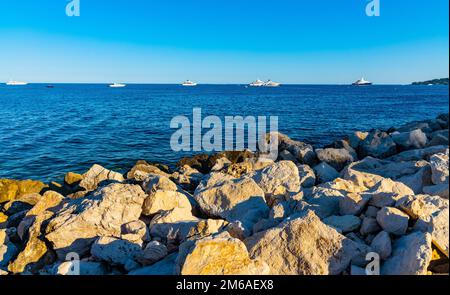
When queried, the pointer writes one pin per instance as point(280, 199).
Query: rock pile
point(382, 194)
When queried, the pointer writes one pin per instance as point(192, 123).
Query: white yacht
point(257, 83)
point(362, 82)
point(270, 83)
point(189, 83)
point(117, 85)
point(16, 83)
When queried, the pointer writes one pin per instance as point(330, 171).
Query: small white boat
point(270, 83)
point(257, 83)
point(189, 83)
point(117, 85)
point(362, 82)
point(16, 83)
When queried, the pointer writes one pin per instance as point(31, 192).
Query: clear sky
point(232, 41)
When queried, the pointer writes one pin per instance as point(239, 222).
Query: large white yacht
point(117, 85)
point(362, 82)
point(16, 83)
point(270, 83)
point(189, 83)
point(257, 83)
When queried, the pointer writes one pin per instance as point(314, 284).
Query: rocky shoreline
point(311, 212)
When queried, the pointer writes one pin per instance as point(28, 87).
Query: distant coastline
point(442, 81)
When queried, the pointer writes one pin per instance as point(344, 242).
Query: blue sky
point(233, 41)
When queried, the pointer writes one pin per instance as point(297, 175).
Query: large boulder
point(116, 251)
point(278, 179)
point(439, 168)
point(377, 144)
point(97, 174)
point(307, 176)
point(35, 254)
point(382, 245)
point(220, 255)
point(13, 189)
point(303, 152)
point(324, 201)
point(141, 170)
point(233, 200)
point(344, 224)
point(160, 268)
point(101, 213)
point(175, 226)
point(411, 255)
point(303, 245)
point(325, 172)
point(415, 139)
point(7, 249)
point(165, 200)
point(419, 154)
point(431, 215)
point(336, 158)
point(393, 220)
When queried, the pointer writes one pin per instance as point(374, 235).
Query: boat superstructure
point(189, 83)
point(362, 82)
point(16, 83)
point(117, 85)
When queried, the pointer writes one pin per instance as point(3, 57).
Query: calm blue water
point(47, 132)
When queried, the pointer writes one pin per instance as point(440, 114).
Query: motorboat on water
point(270, 83)
point(117, 85)
point(260, 83)
point(189, 83)
point(257, 83)
point(362, 82)
point(16, 83)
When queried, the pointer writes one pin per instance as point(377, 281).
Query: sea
point(46, 132)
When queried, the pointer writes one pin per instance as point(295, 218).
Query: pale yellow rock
point(96, 174)
point(165, 200)
point(35, 250)
point(12, 189)
point(303, 246)
point(218, 256)
point(50, 200)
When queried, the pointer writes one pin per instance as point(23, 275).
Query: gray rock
point(437, 190)
point(153, 252)
point(369, 226)
point(439, 137)
point(116, 251)
point(163, 267)
point(325, 172)
point(371, 211)
point(393, 220)
point(415, 139)
point(419, 154)
point(307, 176)
point(7, 249)
point(353, 204)
point(323, 201)
point(336, 158)
point(439, 168)
point(356, 138)
point(381, 244)
point(411, 255)
point(346, 223)
point(377, 144)
point(303, 152)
